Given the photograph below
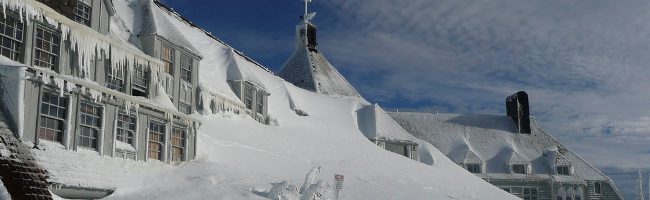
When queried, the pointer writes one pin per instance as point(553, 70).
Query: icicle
point(95, 95)
point(59, 84)
point(127, 106)
point(169, 116)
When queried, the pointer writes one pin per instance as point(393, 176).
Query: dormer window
point(82, 13)
point(186, 68)
point(519, 169)
point(248, 97)
point(474, 168)
point(563, 170)
point(167, 56)
point(598, 188)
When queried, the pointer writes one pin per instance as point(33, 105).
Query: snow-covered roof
point(496, 141)
point(239, 69)
point(375, 123)
point(154, 21)
point(308, 69)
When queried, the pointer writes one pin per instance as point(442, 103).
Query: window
point(559, 198)
point(563, 170)
point(519, 169)
point(46, 51)
point(178, 144)
point(526, 193)
point(260, 103)
point(125, 128)
point(52, 119)
point(396, 148)
point(156, 140)
point(114, 77)
point(185, 108)
point(530, 194)
point(11, 37)
point(140, 81)
point(90, 123)
point(186, 68)
point(168, 59)
point(598, 188)
point(474, 168)
point(248, 97)
point(82, 13)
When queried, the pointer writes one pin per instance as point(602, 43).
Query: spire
point(307, 68)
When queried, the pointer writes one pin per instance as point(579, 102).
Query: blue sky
point(584, 63)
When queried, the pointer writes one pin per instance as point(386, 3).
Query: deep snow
point(237, 156)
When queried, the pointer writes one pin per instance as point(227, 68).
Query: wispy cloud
point(585, 63)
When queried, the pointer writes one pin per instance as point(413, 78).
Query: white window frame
point(524, 167)
point(98, 127)
point(54, 51)
point(83, 13)
point(16, 38)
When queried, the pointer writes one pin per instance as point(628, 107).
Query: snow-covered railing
point(84, 40)
point(97, 92)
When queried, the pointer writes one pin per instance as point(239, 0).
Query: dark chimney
point(517, 109)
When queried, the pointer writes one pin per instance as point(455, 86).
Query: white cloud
point(585, 63)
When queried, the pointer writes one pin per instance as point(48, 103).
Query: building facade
point(511, 152)
point(68, 84)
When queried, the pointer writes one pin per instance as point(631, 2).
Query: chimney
point(517, 109)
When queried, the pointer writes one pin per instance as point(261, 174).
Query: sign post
point(338, 185)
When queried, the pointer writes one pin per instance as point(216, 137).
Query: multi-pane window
point(530, 194)
point(178, 144)
point(52, 119)
point(474, 168)
point(185, 108)
point(563, 170)
point(526, 193)
point(125, 128)
point(140, 81)
point(82, 13)
point(90, 123)
point(115, 78)
point(248, 97)
point(167, 57)
point(11, 37)
point(156, 140)
point(519, 169)
point(46, 51)
point(598, 188)
point(186, 68)
point(260, 103)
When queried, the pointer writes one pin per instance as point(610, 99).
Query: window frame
point(129, 128)
point(80, 10)
point(598, 187)
point(139, 79)
point(249, 92)
point(16, 51)
point(115, 81)
point(167, 69)
point(187, 63)
point(178, 143)
point(516, 166)
point(60, 106)
point(259, 102)
point(95, 125)
point(566, 170)
point(55, 54)
point(474, 168)
point(160, 142)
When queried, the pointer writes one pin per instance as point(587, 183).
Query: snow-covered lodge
point(512, 152)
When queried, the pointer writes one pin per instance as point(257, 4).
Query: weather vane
point(308, 16)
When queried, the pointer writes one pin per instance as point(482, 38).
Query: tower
point(307, 68)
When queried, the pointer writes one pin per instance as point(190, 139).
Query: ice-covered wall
point(11, 85)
